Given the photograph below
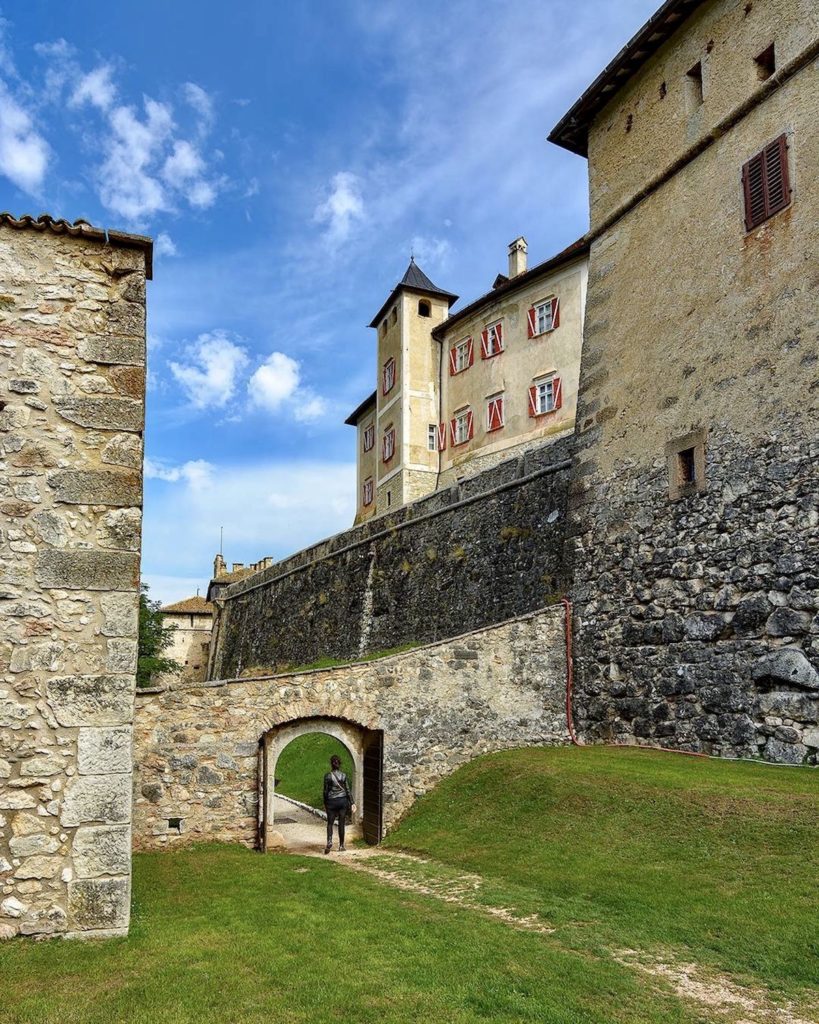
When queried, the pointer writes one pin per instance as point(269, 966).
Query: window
point(175, 825)
point(545, 395)
point(394, 315)
point(686, 465)
point(461, 427)
point(765, 63)
point(369, 437)
point(461, 356)
point(424, 308)
point(389, 376)
point(388, 444)
point(543, 317)
point(694, 82)
point(432, 437)
point(492, 341)
point(765, 183)
point(389, 498)
point(494, 412)
point(384, 326)
point(367, 489)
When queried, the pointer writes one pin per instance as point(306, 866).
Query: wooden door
point(373, 769)
point(261, 786)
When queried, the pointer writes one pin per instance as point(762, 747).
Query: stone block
point(96, 487)
point(91, 700)
point(97, 798)
point(16, 800)
point(112, 349)
point(88, 570)
point(788, 622)
point(123, 450)
point(104, 751)
point(98, 903)
point(120, 614)
point(810, 737)
point(40, 867)
point(122, 656)
point(30, 846)
point(787, 665)
point(43, 765)
point(102, 850)
point(121, 528)
point(103, 413)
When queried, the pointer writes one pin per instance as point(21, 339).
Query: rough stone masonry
point(72, 350)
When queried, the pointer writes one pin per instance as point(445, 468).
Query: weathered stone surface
point(104, 413)
point(104, 751)
point(122, 656)
point(102, 850)
point(790, 705)
point(96, 487)
point(121, 529)
point(91, 700)
point(123, 450)
point(97, 798)
point(52, 528)
point(15, 800)
point(12, 907)
point(28, 846)
point(785, 752)
point(120, 613)
point(788, 622)
point(80, 569)
point(42, 765)
point(788, 666)
point(98, 904)
point(39, 867)
point(112, 349)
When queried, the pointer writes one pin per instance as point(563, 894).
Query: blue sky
point(287, 158)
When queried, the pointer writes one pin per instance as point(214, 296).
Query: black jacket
point(334, 780)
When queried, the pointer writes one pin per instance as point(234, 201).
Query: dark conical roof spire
point(418, 281)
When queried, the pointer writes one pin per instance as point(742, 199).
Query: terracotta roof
point(571, 252)
point(82, 229)
point(572, 131)
point(414, 280)
point(190, 606)
point(355, 415)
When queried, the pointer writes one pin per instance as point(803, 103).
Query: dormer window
point(389, 376)
point(424, 308)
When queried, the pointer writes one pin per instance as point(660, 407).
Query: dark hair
point(335, 761)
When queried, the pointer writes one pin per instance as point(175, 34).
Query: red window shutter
point(499, 335)
point(469, 426)
point(555, 312)
point(495, 414)
point(453, 425)
point(484, 344)
point(453, 361)
point(531, 318)
point(533, 400)
point(557, 392)
point(441, 436)
point(470, 352)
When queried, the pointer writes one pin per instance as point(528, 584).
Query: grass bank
point(623, 847)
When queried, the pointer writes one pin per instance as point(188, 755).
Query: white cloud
point(127, 185)
point(433, 252)
point(274, 381)
point(164, 245)
point(309, 406)
point(182, 165)
point(197, 473)
point(95, 88)
point(200, 101)
point(209, 376)
point(342, 208)
point(24, 153)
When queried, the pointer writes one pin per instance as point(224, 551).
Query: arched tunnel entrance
point(365, 748)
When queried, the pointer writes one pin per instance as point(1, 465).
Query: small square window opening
point(765, 63)
point(175, 825)
point(694, 81)
point(686, 467)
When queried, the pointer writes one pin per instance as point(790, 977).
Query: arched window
point(424, 308)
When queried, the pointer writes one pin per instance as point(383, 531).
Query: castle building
point(192, 621)
point(456, 392)
point(694, 497)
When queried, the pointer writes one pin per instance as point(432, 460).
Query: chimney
point(238, 565)
point(219, 567)
point(517, 256)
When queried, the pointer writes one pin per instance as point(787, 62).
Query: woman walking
point(338, 801)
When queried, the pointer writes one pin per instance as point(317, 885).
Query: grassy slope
point(302, 765)
point(222, 934)
point(639, 848)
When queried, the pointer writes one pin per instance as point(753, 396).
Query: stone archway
point(365, 747)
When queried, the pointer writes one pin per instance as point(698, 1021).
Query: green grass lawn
point(716, 861)
point(639, 848)
point(303, 763)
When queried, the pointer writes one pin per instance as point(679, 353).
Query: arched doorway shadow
point(366, 748)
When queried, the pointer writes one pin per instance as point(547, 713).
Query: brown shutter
point(469, 425)
point(533, 400)
point(453, 361)
point(531, 318)
point(754, 184)
point(485, 343)
point(555, 313)
point(470, 352)
point(557, 392)
point(776, 175)
point(452, 429)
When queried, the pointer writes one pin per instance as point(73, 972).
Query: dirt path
point(724, 999)
point(303, 833)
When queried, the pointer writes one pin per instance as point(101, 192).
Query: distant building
point(192, 620)
point(456, 392)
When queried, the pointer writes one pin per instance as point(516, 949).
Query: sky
point(287, 159)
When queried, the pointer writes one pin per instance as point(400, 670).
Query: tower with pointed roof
point(396, 462)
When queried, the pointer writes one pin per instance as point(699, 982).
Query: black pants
point(336, 809)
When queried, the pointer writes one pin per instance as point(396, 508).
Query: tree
point(154, 638)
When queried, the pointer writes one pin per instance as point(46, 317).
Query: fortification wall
point(72, 352)
point(478, 553)
point(197, 748)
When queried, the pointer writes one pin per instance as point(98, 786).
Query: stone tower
point(409, 372)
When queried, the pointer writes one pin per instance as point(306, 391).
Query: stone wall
point(697, 620)
point(474, 554)
point(72, 350)
point(196, 748)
